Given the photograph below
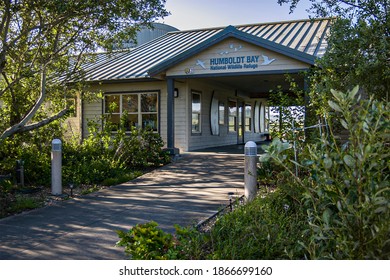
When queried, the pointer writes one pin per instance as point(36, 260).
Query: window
point(196, 113)
point(248, 117)
point(232, 116)
point(267, 119)
point(138, 109)
point(221, 110)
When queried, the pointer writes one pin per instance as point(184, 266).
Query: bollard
point(56, 167)
point(250, 170)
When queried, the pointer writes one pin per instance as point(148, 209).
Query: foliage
point(33, 148)
point(6, 187)
point(288, 111)
point(146, 242)
point(358, 47)
point(42, 49)
point(344, 189)
point(267, 228)
point(105, 154)
point(23, 203)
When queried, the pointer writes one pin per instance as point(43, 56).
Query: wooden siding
point(94, 109)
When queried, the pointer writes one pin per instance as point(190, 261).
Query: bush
point(269, 227)
point(33, 148)
point(344, 189)
point(102, 156)
point(146, 242)
point(105, 155)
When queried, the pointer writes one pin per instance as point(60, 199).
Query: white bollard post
point(250, 170)
point(56, 167)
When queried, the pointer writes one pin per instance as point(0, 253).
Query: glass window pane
point(149, 120)
point(221, 113)
point(232, 108)
point(195, 123)
point(248, 117)
point(196, 102)
point(132, 120)
point(111, 103)
point(196, 112)
point(114, 119)
point(130, 103)
point(149, 102)
point(232, 116)
point(232, 123)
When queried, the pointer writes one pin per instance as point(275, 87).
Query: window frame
point(248, 118)
point(235, 116)
point(139, 112)
point(199, 114)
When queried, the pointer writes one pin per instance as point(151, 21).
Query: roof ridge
point(251, 24)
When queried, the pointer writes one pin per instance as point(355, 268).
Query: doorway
point(240, 122)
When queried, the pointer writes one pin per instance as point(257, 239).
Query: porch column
point(171, 117)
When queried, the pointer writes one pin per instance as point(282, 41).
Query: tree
point(43, 45)
point(358, 47)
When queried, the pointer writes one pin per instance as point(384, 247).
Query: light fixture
point(71, 186)
point(230, 194)
point(176, 93)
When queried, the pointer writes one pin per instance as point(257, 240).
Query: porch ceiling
point(255, 86)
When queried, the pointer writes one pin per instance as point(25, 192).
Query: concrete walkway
point(184, 192)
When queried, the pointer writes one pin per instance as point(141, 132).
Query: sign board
point(234, 56)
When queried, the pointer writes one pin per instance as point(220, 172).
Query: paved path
point(184, 192)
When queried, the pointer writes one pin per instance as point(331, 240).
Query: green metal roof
point(304, 40)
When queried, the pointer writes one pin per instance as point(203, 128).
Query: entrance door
point(241, 122)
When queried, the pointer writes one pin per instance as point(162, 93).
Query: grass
point(23, 203)
point(122, 178)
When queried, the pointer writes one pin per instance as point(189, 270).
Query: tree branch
point(17, 127)
point(43, 122)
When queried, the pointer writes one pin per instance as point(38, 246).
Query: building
point(207, 87)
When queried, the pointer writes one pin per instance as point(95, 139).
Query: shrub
point(344, 189)
point(269, 227)
point(146, 242)
point(33, 148)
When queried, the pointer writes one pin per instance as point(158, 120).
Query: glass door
point(240, 122)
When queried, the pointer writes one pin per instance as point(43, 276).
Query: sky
point(195, 14)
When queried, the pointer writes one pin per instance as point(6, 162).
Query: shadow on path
point(184, 192)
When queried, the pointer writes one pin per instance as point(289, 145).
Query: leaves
point(349, 160)
point(334, 106)
point(51, 38)
point(327, 163)
point(344, 187)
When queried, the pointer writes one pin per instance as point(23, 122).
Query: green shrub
point(6, 188)
point(269, 227)
point(33, 148)
point(104, 155)
point(23, 203)
point(344, 189)
point(146, 242)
